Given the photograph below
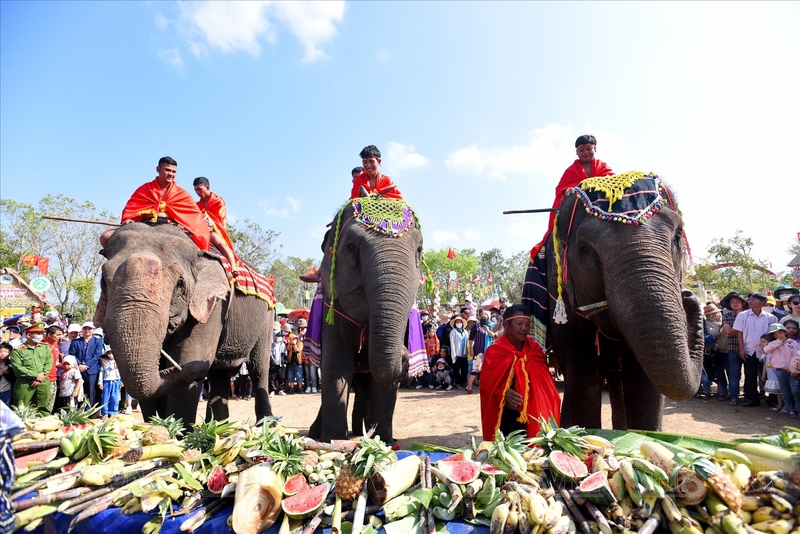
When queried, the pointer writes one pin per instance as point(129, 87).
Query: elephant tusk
point(173, 362)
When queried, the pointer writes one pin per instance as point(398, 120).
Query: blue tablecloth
point(112, 521)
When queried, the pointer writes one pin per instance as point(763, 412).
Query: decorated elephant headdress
point(388, 217)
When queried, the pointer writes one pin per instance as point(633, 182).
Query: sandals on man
point(777, 408)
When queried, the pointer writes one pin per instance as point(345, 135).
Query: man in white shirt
point(749, 326)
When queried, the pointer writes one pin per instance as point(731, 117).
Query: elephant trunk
point(664, 331)
point(136, 324)
point(390, 300)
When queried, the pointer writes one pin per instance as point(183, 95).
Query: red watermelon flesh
point(296, 484)
point(307, 502)
point(489, 469)
point(460, 471)
point(453, 458)
point(567, 466)
point(217, 480)
point(36, 458)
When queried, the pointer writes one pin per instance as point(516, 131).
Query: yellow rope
point(330, 315)
point(503, 397)
point(557, 254)
point(523, 415)
point(612, 186)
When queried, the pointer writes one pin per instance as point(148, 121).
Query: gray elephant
point(376, 276)
point(160, 293)
point(628, 320)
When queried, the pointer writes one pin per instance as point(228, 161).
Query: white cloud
point(243, 26)
point(161, 21)
point(444, 236)
point(544, 152)
point(172, 57)
point(289, 207)
point(400, 157)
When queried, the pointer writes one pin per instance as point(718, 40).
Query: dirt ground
point(450, 418)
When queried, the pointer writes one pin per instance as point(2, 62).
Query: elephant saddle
point(250, 282)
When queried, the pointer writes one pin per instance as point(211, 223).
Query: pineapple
point(155, 434)
point(310, 459)
point(77, 416)
point(201, 437)
point(370, 456)
point(189, 455)
point(174, 426)
point(720, 482)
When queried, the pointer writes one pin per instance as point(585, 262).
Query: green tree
point(72, 247)
point(730, 266)
point(289, 290)
point(255, 244)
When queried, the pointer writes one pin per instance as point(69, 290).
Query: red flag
point(312, 270)
point(798, 236)
point(30, 260)
point(489, 277)
point(43, 264)
point(451, 254)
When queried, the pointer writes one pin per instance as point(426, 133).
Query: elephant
point(629, 322)
point(375, 282)
point(160, 294)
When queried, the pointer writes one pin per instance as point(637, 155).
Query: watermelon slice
point(307, 502)
point(296, 484)
point(567, 466)
point(217, 480)
point(489, 469)
point(595, 488)
point(453, 458)
point(36, 458)
point(460, 471)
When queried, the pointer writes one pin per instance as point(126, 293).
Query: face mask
point(768, 309)
point(37, 338)
point(459, 325)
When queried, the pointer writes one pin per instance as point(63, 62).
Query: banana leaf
point(627, 443)
point(692, 443)
point(430, 447)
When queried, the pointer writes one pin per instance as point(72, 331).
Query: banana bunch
point(525, 509)
point(71, 442)
point(227, 449)
point(322, 471)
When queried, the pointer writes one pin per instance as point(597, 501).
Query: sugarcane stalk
point(429, 485)
point(650, 525)
point(423, 511)
point(194, 522)
point(317, 519)
point(32, 514)
point(361, 505)
point(49, 499)
point(336, 520)
point(170, 360)
point(39, 484)
point(73, 506)
point(598, 516)
point(33, 525)
point(578, 497)
point(95, 507)
point(29, 447)
point(577, 515)
point(456, 494)
point(372, 509)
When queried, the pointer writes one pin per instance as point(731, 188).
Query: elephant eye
point(352, 251)
point(180, 286)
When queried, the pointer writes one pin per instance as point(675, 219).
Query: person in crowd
point(769, 376)
point(10, 426)
point(516, 386)
point(87, 350)
point(71, 384)
point(294, 366)
point(780, 350)
point(712, 325)
point(277, 364)
point(770, 307)
point(792, 329)
point(310, 369)
point(32, 362)
point(458, 350)
point(7, 377)
point(110, 383)
point(356, 172)
point(443, 332)
point(442, 373)
point(794, 310)
point(732, 304)
point(213, 208)
point(14, 336)
point(783, 294)
point(244, 384)
point(429, 331)
point(52, 336)
point(749, 326)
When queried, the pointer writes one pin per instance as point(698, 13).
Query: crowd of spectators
point(752, 346)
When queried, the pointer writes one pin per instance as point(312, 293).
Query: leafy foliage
point(730, 266)
point(255, 244)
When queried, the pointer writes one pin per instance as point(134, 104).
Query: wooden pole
point(542, 210)
point(70, 219)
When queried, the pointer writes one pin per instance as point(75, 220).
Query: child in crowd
point(769, 377)
point(71, 384)
point(782, 351)
point(443, 375)
point(110, 385)
point(792, 329)
point(477, 363)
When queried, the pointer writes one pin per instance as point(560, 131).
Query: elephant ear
point(210, 287)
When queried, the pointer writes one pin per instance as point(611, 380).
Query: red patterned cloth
point(148, 201)
point(250, 282)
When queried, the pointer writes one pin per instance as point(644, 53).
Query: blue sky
point(475, 106)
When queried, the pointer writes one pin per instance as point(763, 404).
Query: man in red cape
point(213, 206)
point(516, 385)
point(586, 166)
point(164, 200)
point(371, 179)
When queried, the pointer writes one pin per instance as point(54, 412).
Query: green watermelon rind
point(36, 458)
point(596, 489)
point(317, 493)
point(557, 457)
point(453, 470)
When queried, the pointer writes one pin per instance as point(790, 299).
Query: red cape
point(147, 201)
point(572, 177)
point(214, 207)
point(384, 183)
point(540, 397)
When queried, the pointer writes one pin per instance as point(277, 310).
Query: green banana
point(731, 454)
point(67, 447)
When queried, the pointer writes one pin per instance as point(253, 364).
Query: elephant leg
point(361, 402)
point(183, 404)
point(583, 381)
point(617, 398)
point(338, 364)
point(151, 407)
point(219, 391)
point(381, 409)
point(259, 374)
point(644, 404)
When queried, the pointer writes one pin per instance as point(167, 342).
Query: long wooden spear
point(542, 210)
point(70, 219)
